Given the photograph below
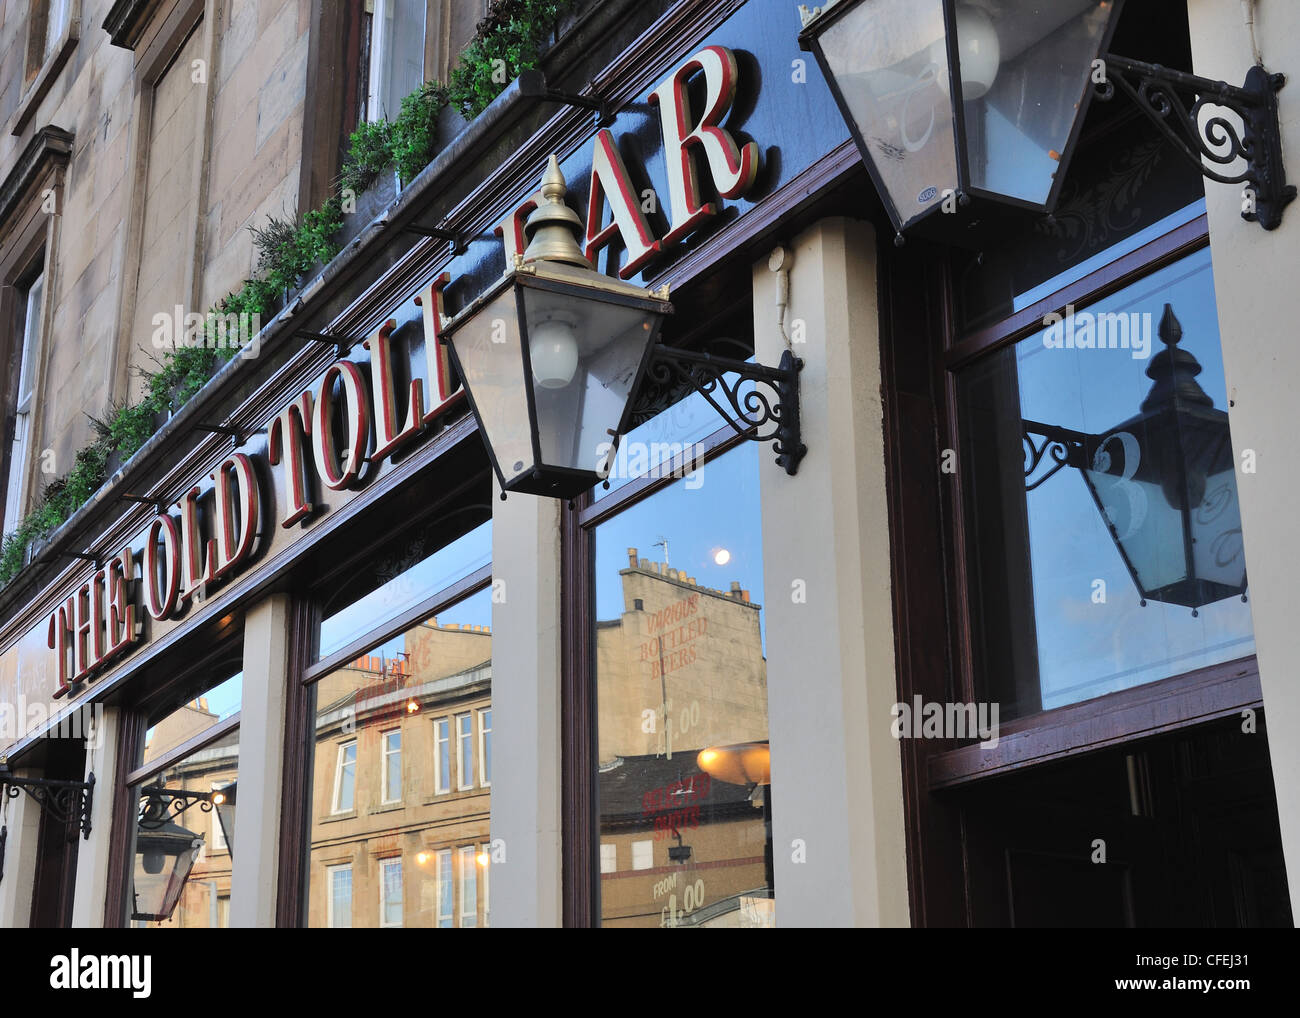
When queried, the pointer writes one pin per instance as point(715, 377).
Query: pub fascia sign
point(103, 619)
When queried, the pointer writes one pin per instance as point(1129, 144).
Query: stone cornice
point(127, 20)
point(50, 146)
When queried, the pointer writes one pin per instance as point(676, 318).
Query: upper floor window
point(393, 765)
point(395, 55)
point(28, 329)
point(345, 777)
point(390, 891)
point(49, 21)
point(485, 747)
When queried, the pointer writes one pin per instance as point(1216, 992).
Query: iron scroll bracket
point(1055, 446)
point(1213, 144)
point(66, 801)
point(160, 805)
point(767, 412)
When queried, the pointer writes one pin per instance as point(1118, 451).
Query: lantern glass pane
point(888, 64)
point(1025, 68)
point(597, 346)
point(492, 365)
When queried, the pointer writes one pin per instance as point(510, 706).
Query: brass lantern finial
point(553, 229)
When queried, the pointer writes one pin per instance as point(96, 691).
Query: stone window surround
point(49, 72)
point(28, 234)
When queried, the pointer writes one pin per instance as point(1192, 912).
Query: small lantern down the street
point(1164, 482)
point(551, 354)
point(223, 801)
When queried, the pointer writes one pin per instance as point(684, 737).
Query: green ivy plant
point(508, 40)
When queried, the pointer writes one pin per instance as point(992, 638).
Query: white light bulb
point(978, 51)
point(553, 349)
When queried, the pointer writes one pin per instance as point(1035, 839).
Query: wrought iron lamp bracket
point(66, 801)
point(1060, 447)
point(160, 805)
point(768, 412)
point(1215, 141)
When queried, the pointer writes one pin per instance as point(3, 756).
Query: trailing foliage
point(509, 40)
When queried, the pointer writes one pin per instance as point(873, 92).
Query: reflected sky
point(435, 572)
point(720, 514)
point(1087, 649)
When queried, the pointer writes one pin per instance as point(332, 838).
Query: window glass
point(183, 841)
point(29, 329)
point(389, 717)
point(183, 844)
point(340, 884)
point(681, 691)
point(390, 906)
point(1144, 508)
point(191, 719)
point(1125, 187)
point(396, 55)
point(393, 765)
point(402, 579)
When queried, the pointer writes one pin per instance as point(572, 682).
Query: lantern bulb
point(979, 53)
point(152, 861)
point(1191, 497)
point(553, 350)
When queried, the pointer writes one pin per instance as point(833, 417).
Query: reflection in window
point(183, 840)
point(465, 751)
point(442, 876)
point(485, 747)
point(468, 856)
point(1059, 573)
point(345, 777)
point(191, 719)
point(403, 580)
point(441, 756)
point(390, 885)
point(340, 901)
point(393, 765)
point(403, 830)
point(681, 691)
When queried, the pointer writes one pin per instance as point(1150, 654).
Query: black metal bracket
point(766, 414)
point(160, 805)
point(1156, 90)
point(458, 241)
point(341, 344)
point(66, 801)
point(159, 504)
point(533, 85)
point(1061, 447)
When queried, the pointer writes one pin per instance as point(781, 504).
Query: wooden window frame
point(130, 751)
point(305, 670)
point(920, 361)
